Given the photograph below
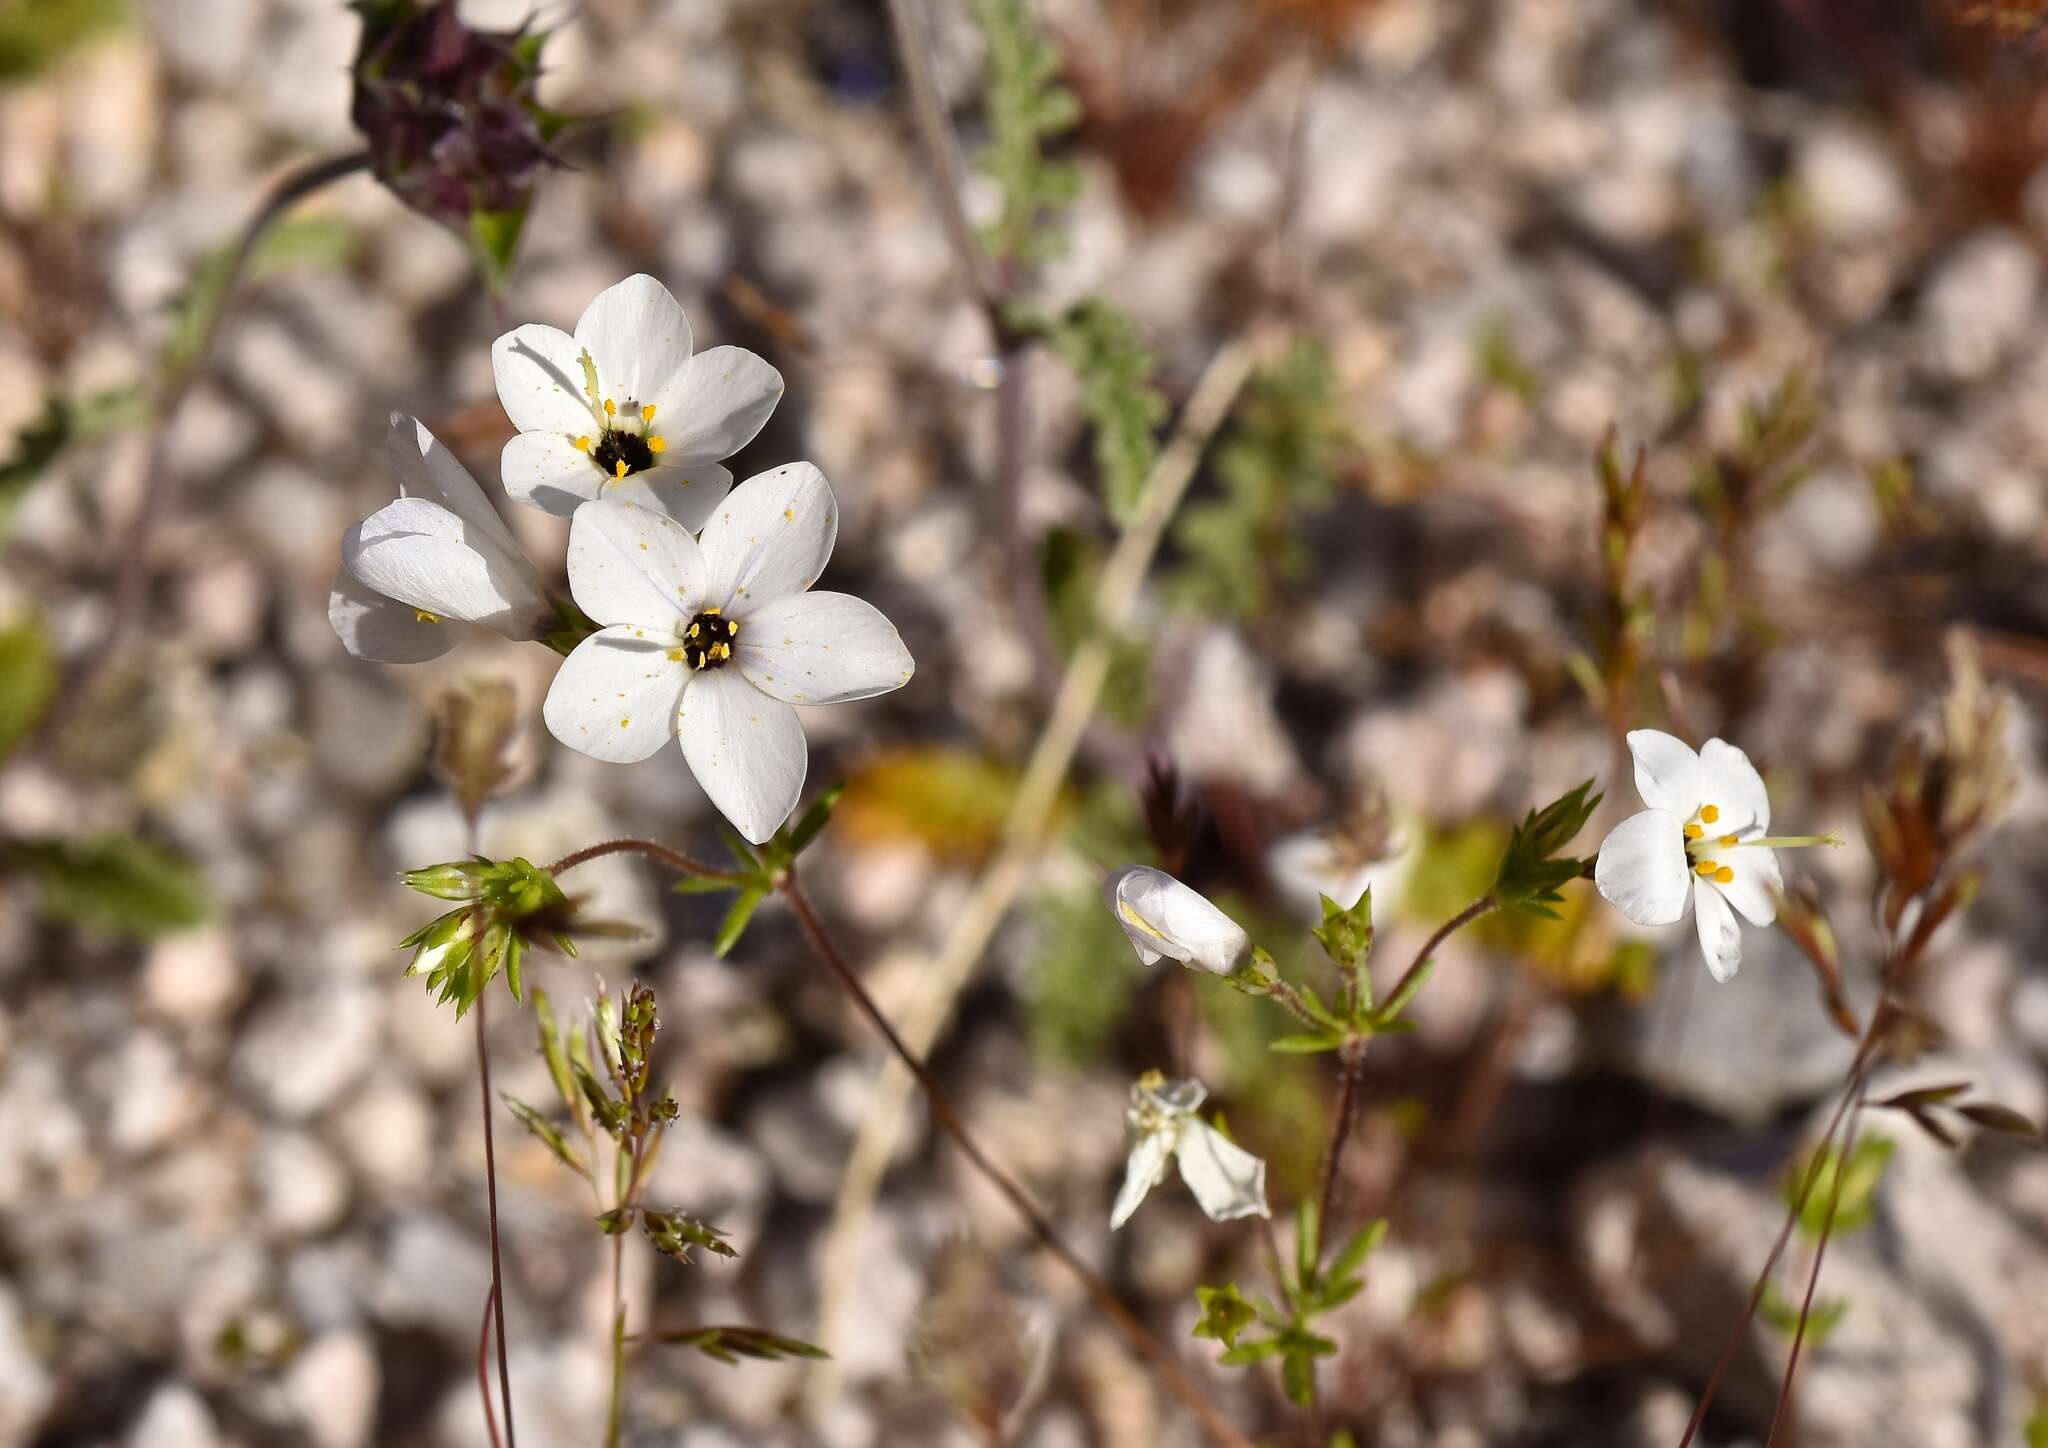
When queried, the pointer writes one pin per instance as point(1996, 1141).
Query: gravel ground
point(242, 1187)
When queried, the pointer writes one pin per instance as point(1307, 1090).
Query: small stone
point(303, 1188)
point(1850, 184)
point(332, 1387)
point(1980, 303)
point(26, 1389)
point(176, 1417)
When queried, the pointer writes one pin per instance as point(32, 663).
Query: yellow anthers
point(619, 469)
point(611, 408)
point(1693, 832)
point(655, 442)
point(424, 617)
point(1710, 813)
point(647, 413)
point(1724, 876)
point(695, 628)
point(1152, 1080)
point(732, 628)
point(582, 444)
point(703, 659)
point(1730, 840)
point(712, 610)
point(1707, 868)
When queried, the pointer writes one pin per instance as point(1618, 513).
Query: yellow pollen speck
point(611, 408)
point(676, 656)
point(732, 628)
point(1710, 813)
point(656, 444)
point(643, 547)
point(693, 629)
point(1705, 867)
point(789, 513)
point(1724, 875)
point(424, 617)
point(582, 444)
point(713, 610)
point(1693, 832)
point(624, 722)
point(647, 413)
point(1729, 840)
point(619, 468)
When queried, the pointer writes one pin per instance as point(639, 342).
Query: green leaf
point(1853, 1200)
point(1387, 1018)
point(2001, 1119)
point(617, 1220)
point(28, 680)
point(1305, 1045)
point(703, 885)
point(295, 241)
point(545, 1132)
point(1346, 936)
point(1364, 1242)
point(1531, 872)
point(551, 1051)
point(114, 882)
point(494, 239)
point(63, 422)
point(1026, 107)
point(1308, 1240)
point(736, 918)
point(815, 818)
point(1118, 397)
point(1298, 1374)
point(729, 1344)
point(1225, 1313)
point(1247, 1353)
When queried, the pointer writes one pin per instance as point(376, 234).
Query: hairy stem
point(483, 1063)
point(661, 854)
point(1121, 1317)
point(1820, 1253)
point(1351, 1061)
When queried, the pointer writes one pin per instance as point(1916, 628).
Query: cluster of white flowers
point(708, 630)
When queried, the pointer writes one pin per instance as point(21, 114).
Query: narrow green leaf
point(1305, 1045)
point(551, 1051)
point(114, 882)
point(546, 1133)
point(1364, 1242)
point(1308, 1241)
point(736, 919)
point(815, 818)
point(28, 680)
point(702, 885)
point(1389, 1013)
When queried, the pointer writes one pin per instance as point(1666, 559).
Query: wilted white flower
point(625, 409)
point(1163, 917)
point(1226, 1179)
point(440, 552)
point(1699, 846)
point(715, 639)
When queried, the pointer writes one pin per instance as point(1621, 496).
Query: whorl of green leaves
point(1026, 106)
point(1532, 872)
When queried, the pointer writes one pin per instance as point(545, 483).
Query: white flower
point(1226, 1179)
point(625, 410)
point(440, 552)
point(715, 639)
point(1338, 861)
point(1701, 845)
point(1163, 917)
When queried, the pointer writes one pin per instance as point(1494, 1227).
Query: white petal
point(417, 552)
point(545, 470)
point(426, 469)
point(1226, 1179)
point(1667, 772)
point(540, 380)
point(639, 338)
point(686, 494)
point(1642, 870)
point(1730, 781)
point(615, 696)
point(1147, 1167)
point(716, 404)
point(1754, 889)
point(1720, 936)
point(746, 749)
point(632, 565)
point(770, 537)
point(1161, 916)
point(382, 629)
point(822, 648)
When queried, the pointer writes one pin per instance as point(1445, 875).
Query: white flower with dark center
point(1164, 918)
point(1700, 846)
point(1227, 1180)
point(625, 409)
point(716, 639)
point(440, 552)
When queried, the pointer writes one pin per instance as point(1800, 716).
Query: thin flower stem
point(483, 1369)
point(483, 1062)
point(928, 114)
point(1024, 826)
point(1756, 1294)
point(131, 551)
point(1820, 1253)
point(1287, 996)
point(1352, 1060)
point(1121, 1317)
point(615, 1418)
point(661, 854)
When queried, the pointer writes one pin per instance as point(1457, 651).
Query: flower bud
point(1163, 917)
